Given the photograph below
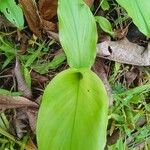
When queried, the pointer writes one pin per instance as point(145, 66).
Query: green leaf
point(77, 30)
point(12, 12)
point(138, 10)
point(105, 5)
point(105, 25)
point(73, 113)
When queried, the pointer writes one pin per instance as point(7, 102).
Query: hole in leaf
point(109, 49)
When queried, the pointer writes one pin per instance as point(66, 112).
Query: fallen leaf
point(48, 9)
point(48, 26)
point(99, 69)
point(37, 23)
point(32, 117)
point(22, 85)
point(125, 52)
point(32, 16)
point(8, 102)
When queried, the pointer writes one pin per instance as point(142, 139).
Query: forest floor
point(30, 58)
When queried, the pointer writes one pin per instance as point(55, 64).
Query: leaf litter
point(125, 52)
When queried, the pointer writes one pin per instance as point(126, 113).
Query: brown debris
point(131, 75)
point(8, 102)
point(32, 117)
point(32, 16)
point(99, 69)
point(48, 9)
point(125, 52)
point(48, 26)
point(36, 22)
point(22, 86)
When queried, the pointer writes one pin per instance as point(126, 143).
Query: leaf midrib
point(75, 113)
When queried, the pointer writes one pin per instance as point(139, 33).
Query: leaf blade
point(78, 35)
point(105, 25)
point(139, 11)
point(78, 115)
point(13, 12)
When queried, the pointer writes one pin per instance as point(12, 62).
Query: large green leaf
point(12, 12)
point(139, 11)
point(73, 113)
point(77, 30)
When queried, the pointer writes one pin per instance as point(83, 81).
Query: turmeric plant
point(73, 111)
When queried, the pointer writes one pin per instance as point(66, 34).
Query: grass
point(130, 113)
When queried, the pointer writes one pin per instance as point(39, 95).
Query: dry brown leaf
point(32, 16)
point(8, 102)
point(22, 85)
point(48, 9)
point(125, 52)
point(48, 26)
point(36, 22)
point(99, 69)
point(32, 117)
